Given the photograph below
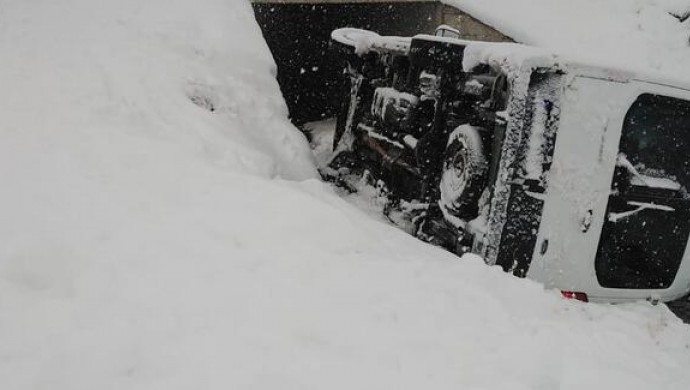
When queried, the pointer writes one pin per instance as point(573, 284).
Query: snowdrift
point(163, 228)
point(639, 35)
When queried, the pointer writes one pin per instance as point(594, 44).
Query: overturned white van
point(572, 175)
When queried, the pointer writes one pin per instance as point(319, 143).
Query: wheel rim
point(459, 162)
point(458, 169)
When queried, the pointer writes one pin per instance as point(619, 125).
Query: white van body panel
point(592, 114)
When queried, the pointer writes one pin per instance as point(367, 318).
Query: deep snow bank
point(147, 242)
point(639, 35)
point(130, 71)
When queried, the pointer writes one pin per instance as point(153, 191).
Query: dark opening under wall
point(298, 36)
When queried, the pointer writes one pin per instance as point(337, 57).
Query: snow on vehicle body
point(569, 174)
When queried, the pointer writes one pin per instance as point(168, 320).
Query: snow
point(617, 217)
point(534, 158)
point(363, 41)
point(386, 96)
point(655, 182)
point(638, 35)
point(164, 228)
point(639, 179)
point(513, 58)
point(410, 141)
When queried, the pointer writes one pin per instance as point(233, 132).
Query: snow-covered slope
point(149, 243)
point(639, 35)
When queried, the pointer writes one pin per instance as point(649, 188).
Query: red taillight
point(580, 296)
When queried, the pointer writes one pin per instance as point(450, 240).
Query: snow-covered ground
point(639, 35)
point(163, 227)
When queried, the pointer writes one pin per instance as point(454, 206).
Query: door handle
point(586, 221)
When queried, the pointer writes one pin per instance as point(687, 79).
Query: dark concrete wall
point(471, 28)
point(340, 1)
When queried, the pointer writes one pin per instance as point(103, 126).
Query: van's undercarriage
point(462, 137)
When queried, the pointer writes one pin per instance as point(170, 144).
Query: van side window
point(647, 223)
point(656, 140)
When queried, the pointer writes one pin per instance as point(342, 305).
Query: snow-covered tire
point(464, 171)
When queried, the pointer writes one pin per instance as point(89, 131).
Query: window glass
point(647, 221)
point(656, 141)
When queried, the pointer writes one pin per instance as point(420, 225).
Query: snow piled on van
point(163, 228)
point(645, 36)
